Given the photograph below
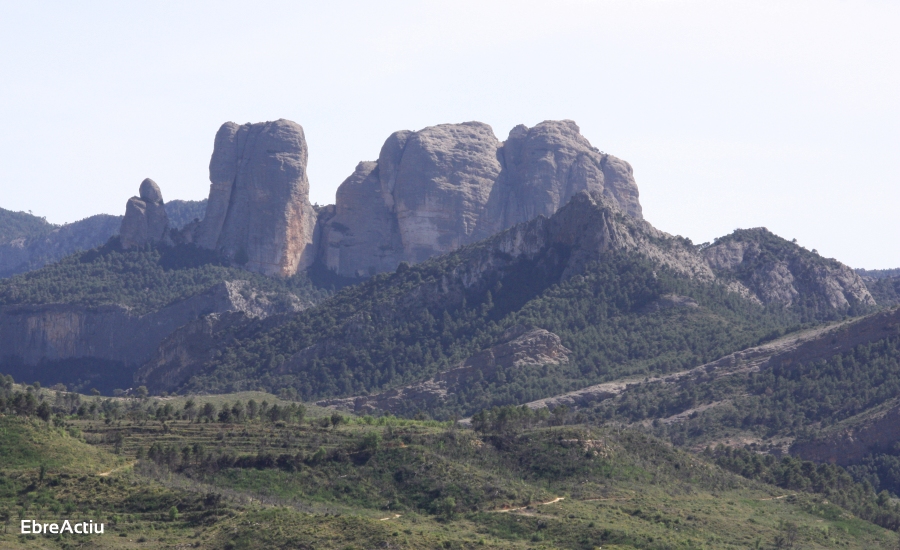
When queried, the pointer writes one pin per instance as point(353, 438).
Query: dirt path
point(116, 469)
point(746, 360)
point(554, 501)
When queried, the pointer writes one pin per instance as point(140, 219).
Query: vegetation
point(885, 290)
point(144, 279)
point(181, 213)
point(777, 401)
point(769, 249)
point(17, 225)
point(802, 475)
point(365, 338)
point(159, 474)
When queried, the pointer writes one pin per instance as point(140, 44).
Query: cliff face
point(258, 212)
point(34, 335)
point(446, 186)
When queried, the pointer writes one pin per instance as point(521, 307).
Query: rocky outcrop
point(446, 186)
point(34, 335)
point(194, 343)
point(545, 166)
point(519, 346)
point(145, 218)
point(780, 272)
point(258, 212)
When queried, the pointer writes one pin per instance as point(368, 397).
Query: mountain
point(46, 243)
point(883, 284)
point(515, 283)
point(622, 297)
point(447, 186)
point(429, 193)
point(775, 271)
point(28, 242)
point(92, 318)
point(19, 225)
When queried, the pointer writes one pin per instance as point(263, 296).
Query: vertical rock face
point(373, 244)
point(443, 183)
point(145, 218)
point(446, 186)
point(258, 212)
point(545, 166)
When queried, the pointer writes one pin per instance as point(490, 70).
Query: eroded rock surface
point(777, 271)
point(258, 212)
point(447, 186)
point(145, 218)
point(41, 335)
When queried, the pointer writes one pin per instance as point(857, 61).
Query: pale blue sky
point(733, 114)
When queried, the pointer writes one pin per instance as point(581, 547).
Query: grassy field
point(359, 482)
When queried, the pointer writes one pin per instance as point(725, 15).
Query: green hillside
point(162, 473)
point(18, 225)
point(398, 328)
point(145, 279)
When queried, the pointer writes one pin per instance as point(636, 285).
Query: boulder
point(145, 218)
point(258, 212)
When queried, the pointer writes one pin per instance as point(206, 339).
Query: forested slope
point(624, 298)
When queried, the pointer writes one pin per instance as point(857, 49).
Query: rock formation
point(41, 336)
point(777, 271)
point(145, 218)
point(258, 212)
point(446, 186)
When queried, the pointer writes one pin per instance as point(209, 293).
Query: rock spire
point(258, 213)
point(145, 218)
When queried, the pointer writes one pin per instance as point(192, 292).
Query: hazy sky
point(733, 114)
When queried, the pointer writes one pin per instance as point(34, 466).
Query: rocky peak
point(545, 166)
point(150, 193)
point(145, 218)
point(258, 212)
point(446, 186)
point(781, 272)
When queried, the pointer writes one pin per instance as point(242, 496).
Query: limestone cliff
point(446, 186)
point(36, 337)
point(258, 212)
